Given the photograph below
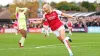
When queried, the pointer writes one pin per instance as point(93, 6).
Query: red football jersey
point(15, 24)
point(53, 20)
point(69, 24)
point(45, 23)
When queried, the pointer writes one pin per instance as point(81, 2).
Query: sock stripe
point(68, 44)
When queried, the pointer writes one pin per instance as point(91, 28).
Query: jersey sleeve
point(58, 12)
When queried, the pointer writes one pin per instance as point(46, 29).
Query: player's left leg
point(65, 41)
point(62, 38)
point(23, 32)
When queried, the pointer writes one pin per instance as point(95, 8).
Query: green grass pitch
point(84, 44)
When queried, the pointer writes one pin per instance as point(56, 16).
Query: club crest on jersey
point(51, 18)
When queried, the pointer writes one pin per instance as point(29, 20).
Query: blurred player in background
point(20, 12)
point(70, 26)
point(46, 29)
point(15, 26)
point(56, 25)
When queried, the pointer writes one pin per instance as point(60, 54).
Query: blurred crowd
point(81, 22)
point(78, 22)
point(6, 25)
point(32, 25)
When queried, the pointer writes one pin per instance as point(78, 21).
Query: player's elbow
point(67, 15)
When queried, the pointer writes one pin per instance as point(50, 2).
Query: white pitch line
point(56, 45)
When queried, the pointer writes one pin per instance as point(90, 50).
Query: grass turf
point(84, 44)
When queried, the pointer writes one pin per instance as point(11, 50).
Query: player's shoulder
point(56, 10)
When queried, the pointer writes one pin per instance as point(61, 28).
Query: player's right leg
point(23, 32)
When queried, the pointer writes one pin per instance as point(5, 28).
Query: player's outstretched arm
point(67, 15)
point(17, 10)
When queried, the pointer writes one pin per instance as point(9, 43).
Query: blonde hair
point(48, 7)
